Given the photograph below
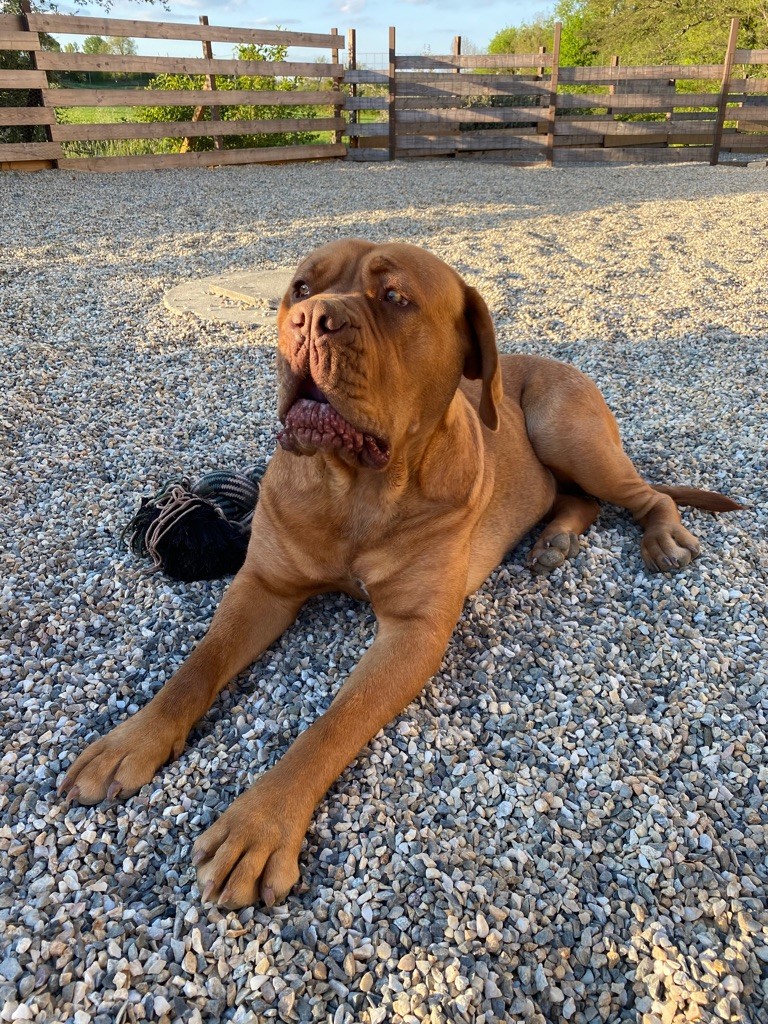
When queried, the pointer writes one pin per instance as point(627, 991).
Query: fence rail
point(518, 108)
point(74, 25)
point(39, 100)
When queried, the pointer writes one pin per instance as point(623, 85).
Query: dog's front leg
point(253, 849)
point(251, 615)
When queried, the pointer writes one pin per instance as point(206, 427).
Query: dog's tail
point(711, 501)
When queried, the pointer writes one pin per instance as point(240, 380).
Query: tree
point(122, 45)
point(576, 48)
point(667, 32)
point(526, 38)
point(232, 113)
point(21, 60)
point(118, 45)
point(95, 44)
point(14, 6)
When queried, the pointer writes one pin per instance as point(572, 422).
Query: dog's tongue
point(317, 425)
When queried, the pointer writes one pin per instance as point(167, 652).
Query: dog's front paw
point(121, 762)
point(253, 849)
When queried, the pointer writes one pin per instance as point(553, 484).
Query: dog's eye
point(301, 289)
point(393, 295)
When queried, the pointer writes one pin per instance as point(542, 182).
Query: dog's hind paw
point(669, 548)
point(550, 551)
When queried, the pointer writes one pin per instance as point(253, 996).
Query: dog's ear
point(482, 362)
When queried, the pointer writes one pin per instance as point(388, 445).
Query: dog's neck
point(423, 461)
point(441, 476)
point(362, 503)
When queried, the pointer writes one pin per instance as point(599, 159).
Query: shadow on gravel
point(384, 203)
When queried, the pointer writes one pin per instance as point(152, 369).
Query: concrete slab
point(250, 297)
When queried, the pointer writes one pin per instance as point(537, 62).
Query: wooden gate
point(527, 109)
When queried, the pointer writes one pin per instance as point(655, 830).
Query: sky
point(420, 24)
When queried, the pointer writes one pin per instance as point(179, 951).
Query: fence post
point(539, 100)
point(391, 96)
point(725, 87)
point(210, 83)
point(354, 115)
point(338, 106)
point(457, 71)
point(540, 68)
point(550, 150)
point(26, 9)
point(612, 88)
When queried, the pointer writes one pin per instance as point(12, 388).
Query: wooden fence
point(525, 108)
point(519, 108)
point(43, 95)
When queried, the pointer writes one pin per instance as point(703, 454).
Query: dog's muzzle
point(312, 426)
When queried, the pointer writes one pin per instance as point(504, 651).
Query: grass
point(101, 115)
point(141, 147)
point(94, 115)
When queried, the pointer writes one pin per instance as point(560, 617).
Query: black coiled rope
point(198, 531)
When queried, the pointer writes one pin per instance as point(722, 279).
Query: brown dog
point(413, 486)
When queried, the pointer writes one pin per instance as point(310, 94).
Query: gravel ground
point(570, 823)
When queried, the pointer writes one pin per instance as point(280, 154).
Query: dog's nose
point(325, 316)
point(327, 324)
point(328, 317)
point(317, 318)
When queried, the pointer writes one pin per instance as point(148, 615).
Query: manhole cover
point(251, 297)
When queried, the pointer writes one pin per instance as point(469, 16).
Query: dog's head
point(373, 341)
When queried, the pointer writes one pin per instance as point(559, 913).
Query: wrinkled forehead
point(351, 263)
point(337, 261)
